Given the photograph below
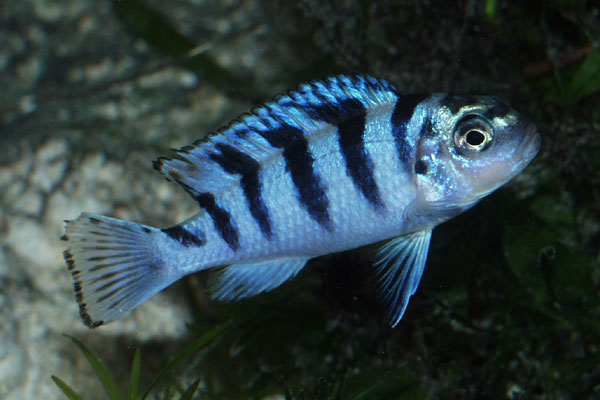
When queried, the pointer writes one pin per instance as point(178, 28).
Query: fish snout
point(530, 144)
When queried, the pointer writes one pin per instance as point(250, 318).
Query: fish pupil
point(475, 138)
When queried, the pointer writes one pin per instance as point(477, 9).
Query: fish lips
point(530, 144)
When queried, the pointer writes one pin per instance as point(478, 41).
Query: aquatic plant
point(170, 390)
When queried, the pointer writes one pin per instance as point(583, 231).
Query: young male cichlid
point(331, 166)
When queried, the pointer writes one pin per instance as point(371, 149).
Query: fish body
point(334, 165)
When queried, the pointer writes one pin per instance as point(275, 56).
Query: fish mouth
point(530, 145)
point(526, 150)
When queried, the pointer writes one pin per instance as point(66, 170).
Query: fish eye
point(473, 134)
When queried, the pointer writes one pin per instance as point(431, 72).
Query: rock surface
point(84, 110)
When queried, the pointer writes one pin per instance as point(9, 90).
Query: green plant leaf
point(553, 210)
point(103, 375)
point(522, 247)
point(586, 80)
point(396, 384)
point(189, 392)
point(190, 349)
point(558, 278)
point(491, 9)
point(152, 27)
point(134, 378)
point(66, 389)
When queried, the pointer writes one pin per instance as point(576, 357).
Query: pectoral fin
point(400, 263)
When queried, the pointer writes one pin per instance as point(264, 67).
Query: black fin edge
point(158, 163)
point(65, 237)
point(85, 316)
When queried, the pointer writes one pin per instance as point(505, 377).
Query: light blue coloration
point(400, 264)
point(244, 280)
point(334, 165)
point(112, 248)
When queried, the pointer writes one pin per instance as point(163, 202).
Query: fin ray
point(400, 264)
point(239, 281)
point(111, 279)
point(199, 168)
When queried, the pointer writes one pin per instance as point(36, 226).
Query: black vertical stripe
point(427, 128)
point(184, 236)
point(350, 117)
point(221, 219)
point(299, 162)
point(456, 102)
point(234, 161)
point(499, 110)
point(401, 116)
point(358, 164)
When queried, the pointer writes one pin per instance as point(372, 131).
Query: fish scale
point(334, 165)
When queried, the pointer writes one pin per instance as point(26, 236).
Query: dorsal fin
point(248, 142)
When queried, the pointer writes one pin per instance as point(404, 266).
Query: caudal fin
point(114, 266)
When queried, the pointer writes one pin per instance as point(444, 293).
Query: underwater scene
point(299, 200)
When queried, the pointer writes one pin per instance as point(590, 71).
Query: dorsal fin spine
point(252, 133)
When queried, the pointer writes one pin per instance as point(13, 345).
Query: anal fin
point(239, 281)
point(400, 264)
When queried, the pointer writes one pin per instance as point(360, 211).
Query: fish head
point(471, 146)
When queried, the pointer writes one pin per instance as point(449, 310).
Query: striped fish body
point(320, 197)
point(334, 165)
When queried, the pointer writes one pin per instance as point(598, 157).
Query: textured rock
point(80, 117)
point(36, 298)
point(84, 106)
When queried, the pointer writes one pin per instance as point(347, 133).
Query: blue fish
point(334, 165)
